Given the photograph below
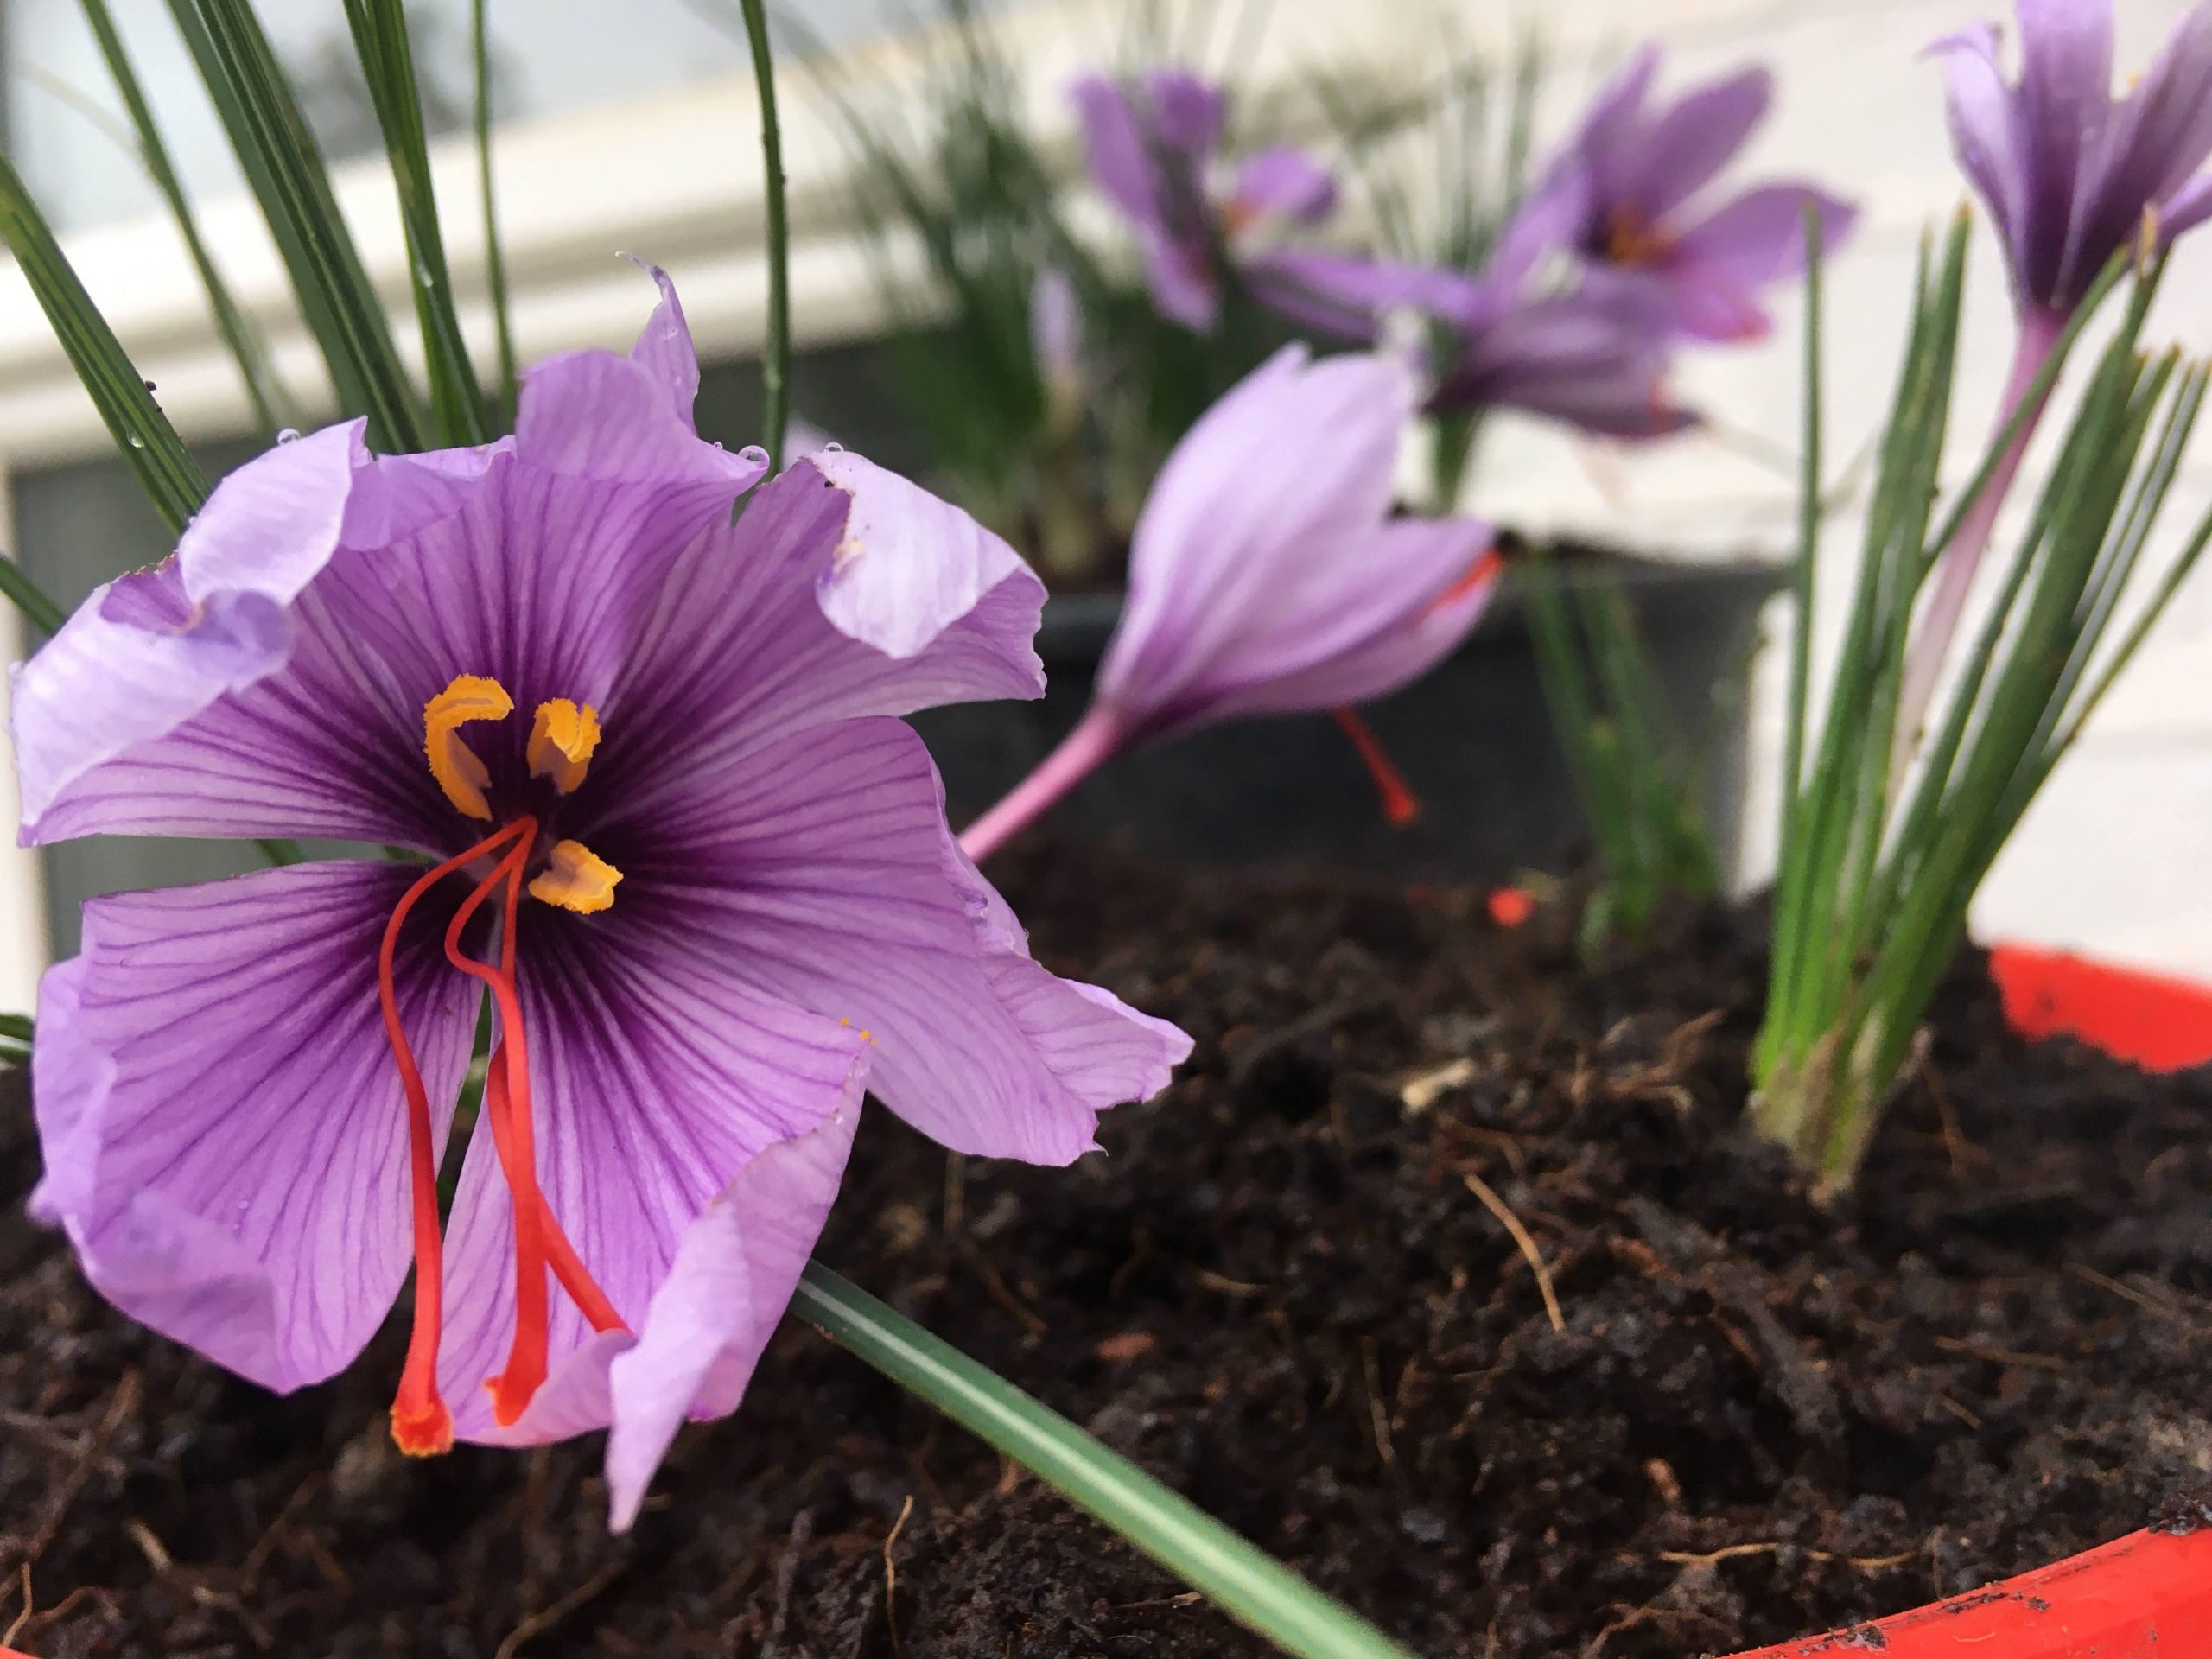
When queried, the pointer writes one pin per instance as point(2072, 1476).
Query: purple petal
point(1577, 358)
point(1055, 329)
point(658, 1072)
point(1553, 220)
point(2187, 208)
point(724, 1296)
point(1349, 295)
point(1720, 266)
point(2065, 95)
point(1180, 276)
point(1363, 626)
point(1149, 143)
point(270, 680)
point(1610, 128)
point(664, 349)
point(1681, 151)
point(2156, 140)
point(1985, 130)
point(821, 871)
point(1290, 469)
point(222, 1123)
point(1281, 185)
point(908, 565)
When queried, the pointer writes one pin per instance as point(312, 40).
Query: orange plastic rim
point(2146, 1596)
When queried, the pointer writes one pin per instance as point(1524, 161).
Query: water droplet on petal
point(754, 454)
point(290, 435)
point(833, 448)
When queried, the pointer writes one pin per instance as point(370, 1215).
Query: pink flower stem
point(1096, 736)
point(1956, 564)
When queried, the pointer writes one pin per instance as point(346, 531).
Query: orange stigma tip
point(424, 1431)
point(1400, 805)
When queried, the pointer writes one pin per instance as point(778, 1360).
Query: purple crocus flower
point(1267, 575)
point(703, 871)
point(2070, 174)
point(1635, 175)
point(1597, 357)
point(1153, 145)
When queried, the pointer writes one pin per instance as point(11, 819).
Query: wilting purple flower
point(1634, 175)
point(1267, 575)
point(708, 881)
point(1153, 145)
point(2070, 174)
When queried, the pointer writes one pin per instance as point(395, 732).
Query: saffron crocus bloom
point(1637, 173)
point(1593, 357)
point(1153, 145)
point(668, 824)
point(2071, 177)
point(1267, 575)
point(2070, 174)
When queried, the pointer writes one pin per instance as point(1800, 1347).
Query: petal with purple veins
point(222, 1126)
point(725, 1294)
point(820, 870)
point(658, 1071)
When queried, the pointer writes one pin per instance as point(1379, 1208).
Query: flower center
point(1632, 239)
point(562, 737)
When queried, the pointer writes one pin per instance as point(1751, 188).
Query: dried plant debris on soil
point(1719, 1415)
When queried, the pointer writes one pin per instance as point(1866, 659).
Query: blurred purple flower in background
point(1268, 574)
point(1629, 183)
point(1153, 142)
point(745, 905)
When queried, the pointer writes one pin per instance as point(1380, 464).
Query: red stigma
point(1400, 805)
point(421, 1422)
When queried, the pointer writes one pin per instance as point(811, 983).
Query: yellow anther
point(578, 879)
point(561, 740)
point(453, 763)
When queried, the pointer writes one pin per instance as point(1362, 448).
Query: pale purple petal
point(821, 871)
point(725, 1294)
point(664, 348)
point(1281, 185)
point(658, 1072)
point(1055, 329)
point(1552, 221)
point(2187, 208)
point(1349, 295)
point(739, 653)
point(2156, 138)
point(1289, 469)
point(1147, 143)
point(907, 565)
point(1113, 147)
point(223, 1128)
point(1365, 626)
point(1607, 133)
point(1180, 274)
point(1986, 127)
point(1572, 358)
point(1681, 151)
point(1720, 266)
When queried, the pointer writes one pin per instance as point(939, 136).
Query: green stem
point(495, 259)
point(1245, 1583)
point(273, 406)
point(29, 598)
point(776, 351)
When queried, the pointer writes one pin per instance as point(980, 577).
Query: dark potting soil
point(1282, 1291)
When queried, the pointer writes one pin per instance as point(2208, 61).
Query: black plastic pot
point(1473, 739)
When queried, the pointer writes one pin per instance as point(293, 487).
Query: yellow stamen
point(578, 879)
point(453, 763)
point(561, 740)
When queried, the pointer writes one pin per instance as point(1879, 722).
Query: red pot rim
point(2146, 1596)
point(2154, 1020)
